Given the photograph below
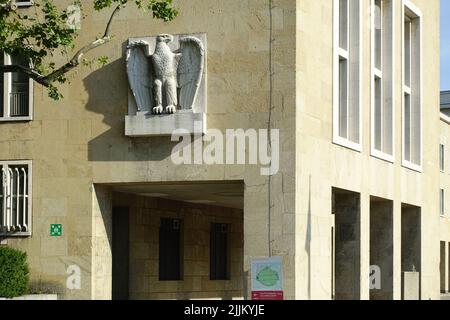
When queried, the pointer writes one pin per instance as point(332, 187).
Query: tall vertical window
point(16, 91)
point(170, 250)
point(382, 79)
point(442, 202)
point(347, 73)
point(219, 266)
point(15, 198)
point(412, 87)
point(442, 157)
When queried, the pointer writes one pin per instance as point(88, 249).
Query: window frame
point(442, 202)
point(7, 87)
point(381, 75)
point(28, 163)
point(408, 6)
point(442, 157)
point(337, 54)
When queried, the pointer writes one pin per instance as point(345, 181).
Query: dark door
point(120, 253)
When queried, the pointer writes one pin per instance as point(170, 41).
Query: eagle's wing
point(190, 70)
point(140, 75)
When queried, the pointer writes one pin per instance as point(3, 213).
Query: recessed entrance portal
point(448, 267)
point(381, 249)
point(185, 240)
point(347, 244)
point(442, 268)
point(411, 252)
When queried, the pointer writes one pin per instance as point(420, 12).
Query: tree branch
point(108, 26)
point(30, 72)
point(76, 60)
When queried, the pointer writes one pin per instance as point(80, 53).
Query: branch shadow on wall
point(107, 88)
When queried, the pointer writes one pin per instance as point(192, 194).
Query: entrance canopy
point(224, 194)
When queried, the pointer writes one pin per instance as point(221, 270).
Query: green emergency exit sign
point(56, 230)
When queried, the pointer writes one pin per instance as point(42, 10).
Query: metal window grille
point(19, 104)
point(15, 200)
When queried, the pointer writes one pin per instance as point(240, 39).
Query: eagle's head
point(167, 38)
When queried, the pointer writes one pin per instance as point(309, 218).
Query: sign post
point(267, 278)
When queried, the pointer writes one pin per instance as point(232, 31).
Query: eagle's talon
point(158, 110)
point(171, 109)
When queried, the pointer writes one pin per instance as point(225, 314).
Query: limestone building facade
point(352, 209)
point(443, 195)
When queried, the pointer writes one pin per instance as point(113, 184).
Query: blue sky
point(445, 44)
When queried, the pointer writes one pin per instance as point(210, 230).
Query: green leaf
point(103, 60)
point(42, 34)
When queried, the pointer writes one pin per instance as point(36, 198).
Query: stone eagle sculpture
point(165, 81)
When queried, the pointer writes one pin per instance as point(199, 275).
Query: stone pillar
point(282, 227)
point(365, 246)
point(101, 276)
point(256, 241)
point(397, 250)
